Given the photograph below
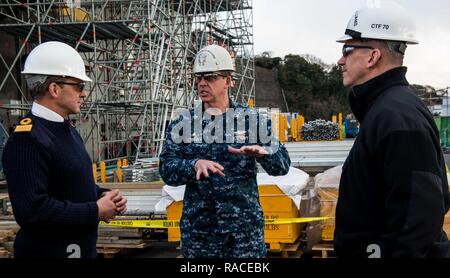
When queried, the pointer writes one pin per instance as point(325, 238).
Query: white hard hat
point(213, 58)
point(389, 22)
point(55, 58)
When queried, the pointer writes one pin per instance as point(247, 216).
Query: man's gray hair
point(38, 84)
point(396, 50)
point(396, 46)
point(35, 80)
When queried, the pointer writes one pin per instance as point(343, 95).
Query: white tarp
point(330, 178)
point(169, 194)
point(291, 184)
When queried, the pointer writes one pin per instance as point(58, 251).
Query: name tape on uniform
point(167, 224)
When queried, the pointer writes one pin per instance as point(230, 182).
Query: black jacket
point(393, 190)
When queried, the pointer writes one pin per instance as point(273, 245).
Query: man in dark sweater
point(393, 192)
point(53, 194)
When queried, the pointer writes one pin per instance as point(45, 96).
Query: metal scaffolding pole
point(139, 55)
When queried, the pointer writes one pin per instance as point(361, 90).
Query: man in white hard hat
point(50, 183)
point(222, 216)
point(393, 192)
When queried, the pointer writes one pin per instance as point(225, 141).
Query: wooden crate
point(328, 200)
point(8, 230)
point(447, 224)
point(114, 240)
point(275, 205)
point(4, 253)
point(447, 220)
point(285, 250)
point(323, 250)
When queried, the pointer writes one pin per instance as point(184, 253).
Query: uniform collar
point(231, 104)
point(45, 113)
point(362, 96)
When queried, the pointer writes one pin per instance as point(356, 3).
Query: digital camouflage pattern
point(222, 216)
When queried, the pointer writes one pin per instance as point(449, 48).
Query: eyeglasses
point(78, 86)
point(209, 77)
point(347, 48)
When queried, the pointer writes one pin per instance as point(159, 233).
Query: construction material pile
point(141, 172)
point(320, 130)
point(327, 185)
point(113, 240)
point(8, 227)
point(142, 198)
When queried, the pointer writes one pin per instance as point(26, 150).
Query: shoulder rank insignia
point(25, 125)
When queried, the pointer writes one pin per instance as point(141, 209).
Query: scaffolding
point(139, 55)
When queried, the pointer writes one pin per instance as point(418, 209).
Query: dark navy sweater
point(52, 191)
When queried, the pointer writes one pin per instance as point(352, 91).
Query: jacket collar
point(361, 96)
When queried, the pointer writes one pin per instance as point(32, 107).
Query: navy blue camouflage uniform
point(222, 216)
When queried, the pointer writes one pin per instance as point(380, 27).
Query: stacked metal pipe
point(145, 172)
point(320, 130)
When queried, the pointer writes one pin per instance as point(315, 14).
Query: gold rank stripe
point(166, 224)
point(23, 128)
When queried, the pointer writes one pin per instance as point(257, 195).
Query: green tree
point(265, 60)
point(310, 89)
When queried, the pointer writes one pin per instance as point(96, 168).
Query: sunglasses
point(209, 77)
point(347, 48)
point(78, 86)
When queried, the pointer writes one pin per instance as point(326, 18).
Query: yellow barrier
point(334, 119)
point(119, 170)
point(294, 129)
point(251, 103)
point(300, 123)
point(283, 221)
point(103, 171)
point(94, 171)
point(282, 128)
point(169, 224)
point(275, 117)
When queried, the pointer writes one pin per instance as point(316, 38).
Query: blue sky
point(312, 27)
